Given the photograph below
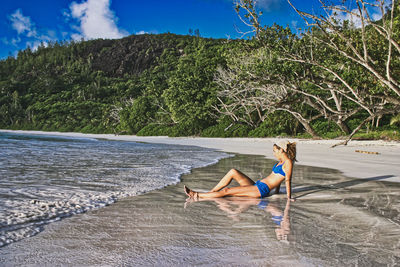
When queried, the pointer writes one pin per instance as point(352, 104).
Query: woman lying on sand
point(284, 151)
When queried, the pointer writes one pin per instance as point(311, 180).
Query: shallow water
point(336, 221)
point(46, 178)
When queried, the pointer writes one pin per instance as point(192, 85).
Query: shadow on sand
point(318, 188)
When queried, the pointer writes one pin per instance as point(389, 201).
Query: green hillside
point(275, 84)
point(111, 85)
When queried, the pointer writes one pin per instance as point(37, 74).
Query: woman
point(284, 151)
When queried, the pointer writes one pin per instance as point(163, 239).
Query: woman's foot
point(190, 193)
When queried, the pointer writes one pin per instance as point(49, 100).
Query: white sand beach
point(346, 214)
point(383, 161)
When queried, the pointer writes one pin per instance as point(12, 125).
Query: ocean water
point(44, 178)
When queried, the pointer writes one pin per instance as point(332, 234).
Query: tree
point(137, 114)
point(191, 93)
point(254, 85)
point(364, 48)
point(341, 61)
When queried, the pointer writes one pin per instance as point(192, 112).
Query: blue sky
point(30, 22)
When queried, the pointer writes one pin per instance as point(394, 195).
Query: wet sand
point(336, 221)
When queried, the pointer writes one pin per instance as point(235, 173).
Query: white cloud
point(269, 5)
point(66, 14)
point(77, 37)
point(266, 5)
point(146, 32)
point(22, 24)
point(26, 29)
point(5, 41)
point(15, 41)
point(344, 16)
point(64, 34)
point(95, 19)
point(35, 44)
point(355, 20)
point(376, 16)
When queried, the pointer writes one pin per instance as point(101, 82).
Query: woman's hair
point(289, 149)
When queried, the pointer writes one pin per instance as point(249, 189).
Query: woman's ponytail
point(291, 151)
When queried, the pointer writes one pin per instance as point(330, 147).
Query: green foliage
point(154, 130)
point(388, 135)
point(395, 120)
point(226, 129)
point(276, 124)
point(183, 129)
point(165, 85)
point(87, 86)
point(191, 92)
point(137, 115)
point(324, 126)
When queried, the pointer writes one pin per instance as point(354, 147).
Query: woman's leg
point(239, 191)
point(237, 175)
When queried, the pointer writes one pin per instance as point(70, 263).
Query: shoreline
point(352, 160)
point(334, 222)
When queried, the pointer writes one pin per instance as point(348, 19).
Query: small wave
point(46, 179)
point(42, 137)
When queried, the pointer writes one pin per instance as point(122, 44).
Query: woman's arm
point(277, 189)
point(288, 168)
point(288, 188)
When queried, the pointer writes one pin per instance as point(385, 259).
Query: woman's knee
point(234, 171)
point(225, 191)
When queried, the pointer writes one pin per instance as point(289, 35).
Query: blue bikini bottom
point(263, 188)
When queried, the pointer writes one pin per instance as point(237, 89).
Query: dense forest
point(331, 80)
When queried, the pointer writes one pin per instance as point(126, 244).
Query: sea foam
point(46, 178)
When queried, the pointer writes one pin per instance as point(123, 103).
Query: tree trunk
point(353, 133)
point(343, 126)
point(306, 124)
point(309, 129)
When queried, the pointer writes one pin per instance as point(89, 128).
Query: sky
point(26, 23)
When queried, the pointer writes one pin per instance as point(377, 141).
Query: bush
point(387, 135)
point(269, 129)
point(322, 127)
point(304, 135)
point(166, 130)
point(154, 130)
point(86, 129)
point(395, 120)
point(136, 116)
point(184, 129)
point(215, 131)
point(220, 130)
point(332, 135)
point(354, 122)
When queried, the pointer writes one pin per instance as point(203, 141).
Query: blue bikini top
point(278, 169)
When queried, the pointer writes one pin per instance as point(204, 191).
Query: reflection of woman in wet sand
point(284, 151)
point(282, 220)
point(279, 217)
